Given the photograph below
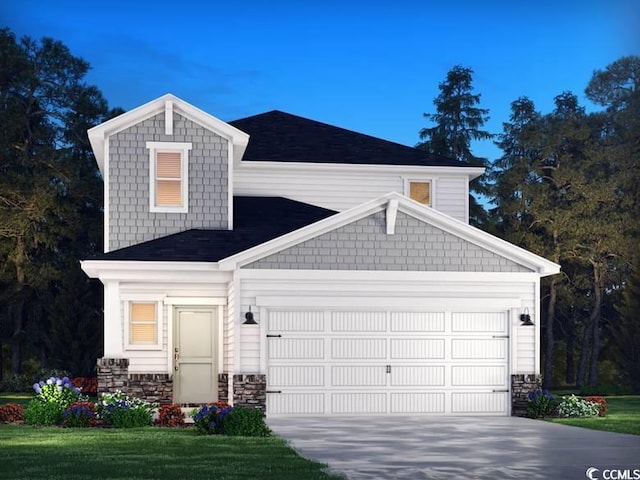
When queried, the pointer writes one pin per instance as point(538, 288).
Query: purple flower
point(51, 381)
point(36, 388)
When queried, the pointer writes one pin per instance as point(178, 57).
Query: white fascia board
point(175, 272)
point(471, 172)
point(99, 133)
point(438, 219)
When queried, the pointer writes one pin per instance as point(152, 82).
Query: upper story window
point(169, 176)
point(420, 191)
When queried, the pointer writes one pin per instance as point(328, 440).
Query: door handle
point(176, 368)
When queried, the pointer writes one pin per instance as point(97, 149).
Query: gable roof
point(256, 220)
point(282, 137)
point(393, 203)
point(171, 103)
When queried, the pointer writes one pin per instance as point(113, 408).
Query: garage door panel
point(359, 348)
point(417, 321)
point(296, 403)
point(479, 402)
point(417, 402)
point(479, 348)
point(417, 375)
point(296, 376)
point(359, 322)
point(472, 375)
point(417, 348)
point(357, 403)
point(296, 348)
point(358, 376)
point(493, 322)
point(296, 321)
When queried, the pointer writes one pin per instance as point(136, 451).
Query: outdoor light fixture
point(525, 318)
point(249, 320)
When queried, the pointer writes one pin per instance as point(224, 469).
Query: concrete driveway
point(457, 447)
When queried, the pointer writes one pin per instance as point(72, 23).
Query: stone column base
point(250, 391)
point(521, 385)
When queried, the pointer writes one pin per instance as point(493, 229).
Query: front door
point(195, 356)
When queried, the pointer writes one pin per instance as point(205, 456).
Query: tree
point(458, 121)
point(627, 334)
point(50, 192)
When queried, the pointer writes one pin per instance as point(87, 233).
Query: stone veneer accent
point(113, 374)
point(250, 391)
point(521, 385)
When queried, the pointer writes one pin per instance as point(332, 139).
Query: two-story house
point(303, 268)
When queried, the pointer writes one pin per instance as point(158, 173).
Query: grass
point(141, 453)
point(623, 416)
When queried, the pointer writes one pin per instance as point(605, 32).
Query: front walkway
point(456, 447)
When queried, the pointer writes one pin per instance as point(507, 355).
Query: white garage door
point(323, 362)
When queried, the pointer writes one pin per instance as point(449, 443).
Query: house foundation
point(521, 386)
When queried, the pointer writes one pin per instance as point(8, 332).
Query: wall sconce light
point(525, 318)
point(249, 320)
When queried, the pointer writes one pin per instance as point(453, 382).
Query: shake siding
point(523, 290)
point(130, 219)
point(342, 190)
point(365, 245)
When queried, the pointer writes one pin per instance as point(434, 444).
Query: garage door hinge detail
point(388, 368)
point(274, 336)
point(500, 391)
point(274, 391)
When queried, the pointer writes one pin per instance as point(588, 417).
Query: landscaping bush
point(540, 403)
point(57, 390)
point(170, 416)
point(48, 373)
point(208, 419)
point(79, 414)
point(573, 406)
point(245, 422)
point(16, 383)
point(88, 385)
point(602, 404)
point(119, 410)
point(11, 413)
point(39, 412)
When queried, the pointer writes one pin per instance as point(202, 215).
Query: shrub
point(170, 416)
point(48, 373)
point(57, 390)
point(540, 403)
point(15, 383)
point(39, 412)
point(79, 414)
point(11, 413)
point(88, 385)
point(245, 422)
point(577, 407)
point(121, 411)
point(602, 404)
point(208, 419)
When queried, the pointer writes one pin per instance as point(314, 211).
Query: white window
point(169, 176)
point(142, 328)
point(420, 191)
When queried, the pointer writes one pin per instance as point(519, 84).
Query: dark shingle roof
point(256, 220)
point(282, 137)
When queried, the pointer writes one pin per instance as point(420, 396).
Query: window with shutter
point(143, 324)
point(420, 192)
point(169, 176)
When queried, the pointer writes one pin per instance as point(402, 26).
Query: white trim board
point(391, 303)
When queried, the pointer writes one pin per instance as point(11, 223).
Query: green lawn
point(19, 398)
point(146, 453)
point(623, 416)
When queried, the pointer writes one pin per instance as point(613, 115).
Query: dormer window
point(169, 176)
point(420, 191)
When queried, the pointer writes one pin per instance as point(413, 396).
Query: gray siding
point(364, 245)
point(130, 221)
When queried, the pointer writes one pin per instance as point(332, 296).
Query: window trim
point(183, 149)
point(127, 323)
point(430, 180)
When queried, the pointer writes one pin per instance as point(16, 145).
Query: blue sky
point(371, 66)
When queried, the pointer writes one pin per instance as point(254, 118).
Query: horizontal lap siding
point(343, 190)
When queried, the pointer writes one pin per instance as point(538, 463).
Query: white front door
point(195, 378)
point(387, 362)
